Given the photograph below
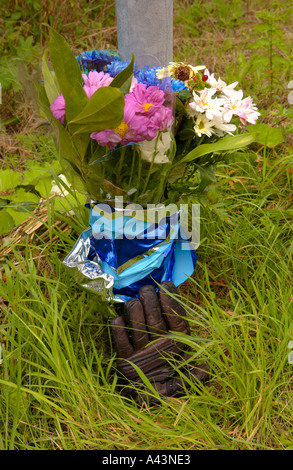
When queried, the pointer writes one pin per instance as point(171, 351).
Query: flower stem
point(121, 159)
point(132, 166)
point(151, 165)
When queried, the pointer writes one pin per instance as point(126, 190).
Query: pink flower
point(95, 80)
point(163, 119)
point(232, 104)
point(244, 108)
point(133, 128)
point(146, 100)
point(247, 111)
point(58, 108)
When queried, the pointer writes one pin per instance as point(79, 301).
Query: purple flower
point(95, 80)
point(133, 128)
point(162, 119)
point(145, 100)
point(58, 108)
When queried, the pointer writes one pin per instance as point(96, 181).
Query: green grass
point(57, 364)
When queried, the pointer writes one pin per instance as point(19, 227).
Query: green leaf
point(18, 216)
point(67, 150)
point(104, 110)
point(64, 63)
point(55, 166)
point(207, 172)
point(33, 175)
point(177, 173)
point(180, 109)
point(69, 202)
point(9, 179)
point(184, 94)
point(50, 82)
point(44, 102)
point(267, 135)
point(24, 196)
point(6, 222)
point(186, 134)
point(75, 103)
point(68, 75)
point(124, 76)
point(44, 187)
point(227, 143)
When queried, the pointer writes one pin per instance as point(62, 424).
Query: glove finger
point(136, 322)
point(155, 356)
point(201, 372)
point(152, 310)
point(169, 388)
point(172, 310)
point(121, 338)
point(173, 386)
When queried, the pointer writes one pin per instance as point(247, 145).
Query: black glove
point(150, 319)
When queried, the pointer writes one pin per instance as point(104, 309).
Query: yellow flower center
point(234, 107)
point(122, 128)
point(147, 106)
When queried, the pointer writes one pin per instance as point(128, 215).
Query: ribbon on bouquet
point(120, 252)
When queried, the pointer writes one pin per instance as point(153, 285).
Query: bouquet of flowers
point(146, 134)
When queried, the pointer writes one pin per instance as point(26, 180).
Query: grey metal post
point(145, 27)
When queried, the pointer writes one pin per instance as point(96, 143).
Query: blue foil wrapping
point(119, 253)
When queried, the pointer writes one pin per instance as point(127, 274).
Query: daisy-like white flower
point(219, 84)
point(203, 126)
point(223, 128)
point(206, 103)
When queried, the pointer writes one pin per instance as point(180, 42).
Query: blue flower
point(96, 60)
point(116, 67)
point(148, 76)
point(178, 85)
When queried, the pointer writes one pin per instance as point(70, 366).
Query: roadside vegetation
point(57, 365)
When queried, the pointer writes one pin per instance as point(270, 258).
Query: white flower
point(159, 146)
point(56, 190)
point(203, 126)
point(232, 104)
point(245, 109)
point(205, 103)
point(219, 85)
point(223, 127)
